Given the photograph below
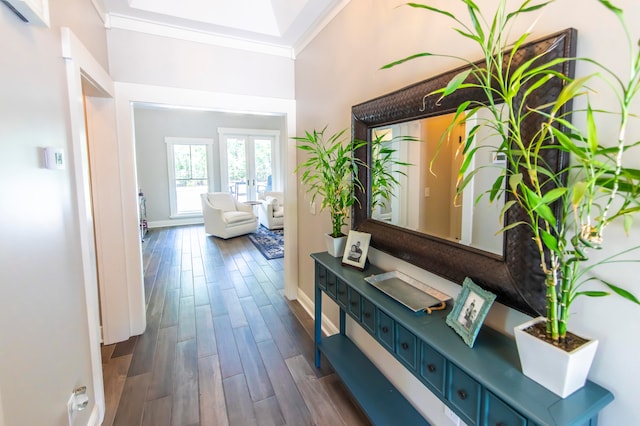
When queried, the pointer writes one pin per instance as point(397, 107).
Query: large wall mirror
point(425, 223)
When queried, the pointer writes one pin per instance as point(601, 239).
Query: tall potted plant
point(566, 220)
point(330, 172)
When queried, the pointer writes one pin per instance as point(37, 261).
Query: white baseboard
point(175, 222)
point(327, 326)
point(94, 418)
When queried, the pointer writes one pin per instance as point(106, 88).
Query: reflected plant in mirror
point(389, 170)
point(426, 198)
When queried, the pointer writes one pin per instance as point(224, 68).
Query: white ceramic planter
point(557, 370)
point(335, 246)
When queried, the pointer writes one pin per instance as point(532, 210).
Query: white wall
point(140, 58)
point(340, 68)
point(45, 349)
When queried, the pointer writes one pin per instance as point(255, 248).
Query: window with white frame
point(189, 162)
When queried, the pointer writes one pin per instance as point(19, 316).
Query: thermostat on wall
point(499, 158)
point(54, 158)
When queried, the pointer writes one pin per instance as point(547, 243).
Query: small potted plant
point(330, 172)
point(567, 211)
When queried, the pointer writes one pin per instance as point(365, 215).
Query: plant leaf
point(455, 83)
point(545, 212)
point(621, 292)
point(510, 226)
point(549, 240)
point(408, 58)
point(593, 293)
point(553, 195)
point(592, 131)
point(515, 180)
point(627, 223)
point(579, 189)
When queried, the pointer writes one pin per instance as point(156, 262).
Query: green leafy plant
point(385, 169)
point(566, 220)
point(330, 172)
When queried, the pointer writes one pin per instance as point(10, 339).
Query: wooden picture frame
point(355, 252)
point(470, 309)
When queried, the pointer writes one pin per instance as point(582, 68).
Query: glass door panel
point(249, 161)
point(263, 159)
point(237, 167)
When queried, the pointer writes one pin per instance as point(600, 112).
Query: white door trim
point(81, 64)
point(128, 94)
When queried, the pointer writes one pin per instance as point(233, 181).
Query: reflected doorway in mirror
point(427, 198)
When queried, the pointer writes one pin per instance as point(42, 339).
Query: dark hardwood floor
point(223, 346)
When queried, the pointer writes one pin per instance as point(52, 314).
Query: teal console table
point(483, 385)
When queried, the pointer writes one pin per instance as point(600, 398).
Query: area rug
point(270, 243)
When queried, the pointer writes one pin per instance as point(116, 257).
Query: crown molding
point(315, 29)
point(148, 27)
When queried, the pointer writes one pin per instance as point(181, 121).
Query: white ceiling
point(284, 23)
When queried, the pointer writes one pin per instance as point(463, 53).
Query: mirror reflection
point(426, 198)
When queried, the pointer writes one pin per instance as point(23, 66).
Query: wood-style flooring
point(223, 346)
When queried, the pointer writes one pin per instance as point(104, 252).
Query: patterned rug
point(270, 243)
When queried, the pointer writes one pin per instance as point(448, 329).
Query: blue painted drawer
point(369, 316)
point(355, 303)
point(464, 394)
point(407, 347)
point(432, 368)
point(497, 413)
point(321, 276)
point(342, 296)
point(386, 330)
point(331, 284)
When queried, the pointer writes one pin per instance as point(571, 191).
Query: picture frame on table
point(469, 311)
point(355, 252)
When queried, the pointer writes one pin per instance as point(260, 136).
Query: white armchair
point(271, 210)
point(225, 217)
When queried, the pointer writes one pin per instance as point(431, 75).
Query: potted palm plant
point(330, 172)
point(567, 211)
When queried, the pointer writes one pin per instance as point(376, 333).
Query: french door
point(247, 162)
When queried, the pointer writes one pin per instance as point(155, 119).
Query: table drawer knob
point(431, 368)
point(462, 394)
point(404, 345)
point(367, 314)
point(354, 303)
point(385, 329)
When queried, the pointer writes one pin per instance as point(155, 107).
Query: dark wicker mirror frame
point(514, 277)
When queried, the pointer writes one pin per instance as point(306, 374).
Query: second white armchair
point(271, 210)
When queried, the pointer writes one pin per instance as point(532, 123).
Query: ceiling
point(284, 23)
